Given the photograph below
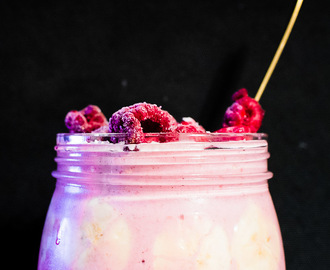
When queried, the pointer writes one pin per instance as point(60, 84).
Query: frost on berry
point(137, 120)
point(234, 129)
point(90, 111)
point(102, 129)
point(86, 120)
point(76, 122)
point(189, 125)
point(245, 111)
point(253, 113)
point(234, 115)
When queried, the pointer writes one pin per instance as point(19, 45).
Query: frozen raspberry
point(234, 129)
point(141, 118)
point(234, 115)
point(103, 129)
point(245, 111)
point(189, 125)
point(90, 111)
point(76, 122)
point(86, 120)
point(253, 113)
point(96, 122)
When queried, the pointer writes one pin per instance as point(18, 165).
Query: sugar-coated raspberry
point(86, 120)
point(90, 111)
point(234, 115)
point(103, 129)
point(76, 122)
point(253, 113)
point(234, 129)
point(97, 121)
point(189, 125)
point(141, 118)
point(245, 111)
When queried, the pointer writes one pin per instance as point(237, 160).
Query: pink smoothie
point(199, 202)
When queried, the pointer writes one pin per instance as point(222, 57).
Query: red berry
point(189, 125)
point(141, 118)
point(253, 113)
point(76, 122)
point(234, 115)
point(102, 129)
point(234, 129)
point(245, 111)
point(85, 120)
point(96, 121)
point(90, 111)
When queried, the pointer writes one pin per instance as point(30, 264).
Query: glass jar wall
point(194, 201)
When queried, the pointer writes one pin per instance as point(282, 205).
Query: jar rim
point(87, 138)
point(217, 155)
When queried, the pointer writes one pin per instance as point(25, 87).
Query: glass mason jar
point(188, 201)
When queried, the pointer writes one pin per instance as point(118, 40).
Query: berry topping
point(141, 118)
point(90, 111)
point(245, 111)
point(103, 129)
point(86, 120)
point(189, 125)
point(76, 122)
point(234, 115)
point(234, 129)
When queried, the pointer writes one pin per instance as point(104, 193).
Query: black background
point(189, 57)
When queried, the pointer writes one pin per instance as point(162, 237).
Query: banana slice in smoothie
point(191, 243)
point(105, 238)
point(256, 242)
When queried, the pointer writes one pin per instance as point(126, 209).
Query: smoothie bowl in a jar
point(143, 191)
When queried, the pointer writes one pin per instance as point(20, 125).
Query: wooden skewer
point(279, 50)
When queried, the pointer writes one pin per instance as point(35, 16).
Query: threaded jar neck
point(170, 159)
